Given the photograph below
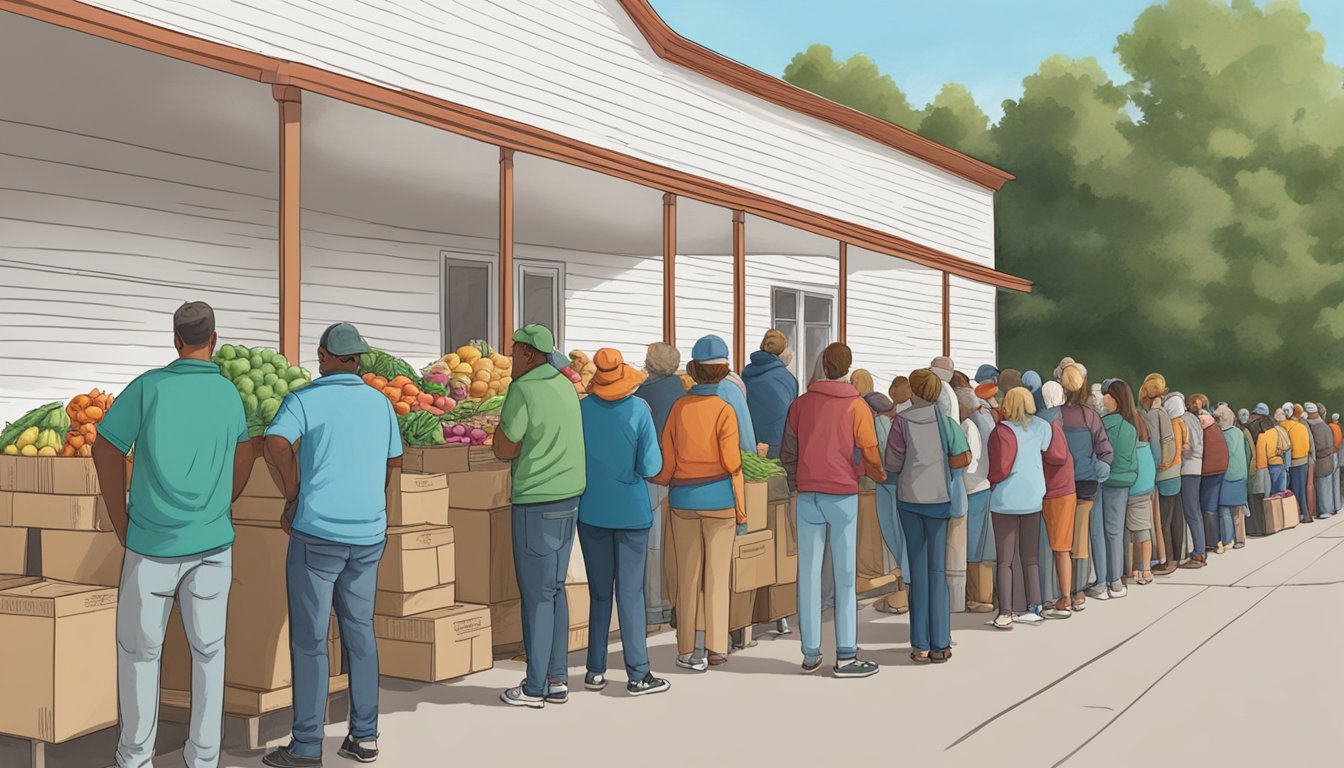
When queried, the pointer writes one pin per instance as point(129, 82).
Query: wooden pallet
point(249, 707)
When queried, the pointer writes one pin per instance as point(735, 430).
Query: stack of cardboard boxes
point(480, 515)
point(780, 599)
point(424, 632)
point(755, 559)
point(257, 675)
point(59, 566)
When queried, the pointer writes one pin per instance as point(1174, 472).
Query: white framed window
point(807, 320)
point(539, 296)
point(470, 296)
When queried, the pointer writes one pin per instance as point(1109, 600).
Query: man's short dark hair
point(194, 322)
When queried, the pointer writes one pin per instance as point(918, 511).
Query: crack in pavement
point(1187, 656)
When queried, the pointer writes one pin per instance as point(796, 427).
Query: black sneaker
point(557, 692)
point(854, 668)
point(360, 750)
point(283, 758)
point(648, 685)
point(595, 681)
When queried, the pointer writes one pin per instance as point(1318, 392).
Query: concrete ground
point(1238, 664)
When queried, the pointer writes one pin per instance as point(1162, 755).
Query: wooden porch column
point(670, 268)
point(842, 312)
point(506, 251)
point(289, 99)
point(947, 314)
point(739, 289)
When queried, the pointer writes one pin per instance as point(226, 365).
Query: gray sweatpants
point(148, 585)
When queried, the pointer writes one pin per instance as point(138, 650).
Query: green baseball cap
point(538, 337)
point(343, 340)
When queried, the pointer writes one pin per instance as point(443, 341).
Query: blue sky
point(986, 45)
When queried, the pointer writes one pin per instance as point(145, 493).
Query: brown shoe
point(717, 660)
point(979, 607)
point(1192, 564)
point(1165, 569)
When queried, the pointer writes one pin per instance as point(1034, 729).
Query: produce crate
point(400, 604)
point(13, 550)
point(435, 460)
point(782, 522)
point(481, 489)
point(437, 645)
point(73, 475)
point(60, 651)
point(6, 508)
point(775, 603)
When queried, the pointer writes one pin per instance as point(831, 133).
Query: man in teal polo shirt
point(337, 523)
point(186, 424)
point(541, 431)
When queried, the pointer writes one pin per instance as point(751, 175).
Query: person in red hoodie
point(829, 443)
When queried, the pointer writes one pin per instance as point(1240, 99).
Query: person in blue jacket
point(714, 348)
point(615, 519)
point(771, 389)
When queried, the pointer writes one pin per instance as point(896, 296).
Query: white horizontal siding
point(974, 327)
point(895, 314)
point(100, 241)
point(610, 301)
point(581, 69)
point(704, 295)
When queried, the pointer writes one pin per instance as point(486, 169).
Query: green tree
point(856, 83)
point(1186, 221)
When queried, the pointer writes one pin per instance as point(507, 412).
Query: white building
point(441, 171)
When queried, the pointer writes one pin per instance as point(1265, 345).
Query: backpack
point(1285, 445)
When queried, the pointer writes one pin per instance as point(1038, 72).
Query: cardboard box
point(775, 603)
point(421, 500)
point(779, 489)
point(483, 457)
point(753, 561)
point(506, 620)
point(6, 508)
point(48, 474)
point(484, 553)
point(871, 561)
point(60, 512)
point(243, 702)
point(782, 522)
point(741, 609)
point(258, 623)
point(436, 645)
point(411, 603)
point(417, 557)
point(757, 504)
point(435, 459)
point(85, 557)
point(175, 662)
point(506, 624)
point(258, 509)
point(14, 550)
point(263, 483)
point(60, 652)
point(482, 490)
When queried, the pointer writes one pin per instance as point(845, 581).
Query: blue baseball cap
point(710, 350)
point(985, 373)
point(1261, 409)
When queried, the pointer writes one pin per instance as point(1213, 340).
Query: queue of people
point(1007, 495)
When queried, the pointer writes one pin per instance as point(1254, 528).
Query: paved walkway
point(1238, 664)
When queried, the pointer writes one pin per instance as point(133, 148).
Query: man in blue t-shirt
point(336, 516)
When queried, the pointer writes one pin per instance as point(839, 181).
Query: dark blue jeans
point(1194, 518)
point(1297, 483)
point(616, 556)
point(930, 604)
point(543, 535)
point(319, 573)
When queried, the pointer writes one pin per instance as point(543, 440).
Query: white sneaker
point(1117, 592)
point(1098, 592)
point(1028, 618)
point(693, 663)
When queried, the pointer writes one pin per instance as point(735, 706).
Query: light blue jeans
point(888, 519)
point(320, 574)
point(1107, 534)
point(1227, 532)
point(148, 586)
point(1278, 479)
point(818, 514)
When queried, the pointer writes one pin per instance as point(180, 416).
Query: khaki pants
point(703, 545)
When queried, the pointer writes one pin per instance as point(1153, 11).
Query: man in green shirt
point(186, 424)
point(541, 431)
